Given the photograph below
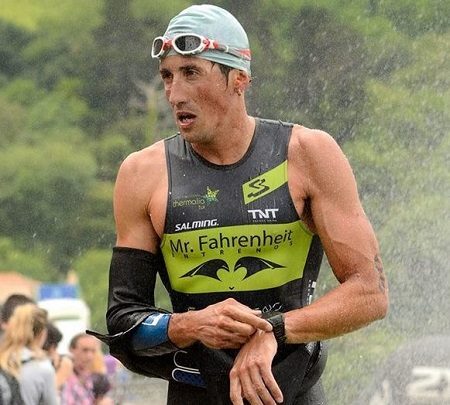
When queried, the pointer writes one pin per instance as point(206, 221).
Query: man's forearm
point(348, 307)
point(182, 329)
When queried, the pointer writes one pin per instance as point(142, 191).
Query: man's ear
point(241, 81)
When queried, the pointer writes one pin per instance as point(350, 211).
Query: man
point(11, 303)
point(78, 388)
point(62, 364)
point(232, 212)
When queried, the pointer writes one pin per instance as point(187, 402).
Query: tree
point(42, 191)
point(13, 40)
point(118, 57)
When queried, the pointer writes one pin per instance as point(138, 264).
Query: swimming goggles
point(192, 44)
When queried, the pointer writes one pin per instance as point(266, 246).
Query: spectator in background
point(22, 356)
point(101, 387)
point(79, 387)
point(13, 301)
point(62, 364)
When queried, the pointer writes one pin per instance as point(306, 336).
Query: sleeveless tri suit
point(230, 231)
point(233, 231)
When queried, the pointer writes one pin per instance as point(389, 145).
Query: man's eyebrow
point(189, 67)
point(183, 68)
point(164, 72)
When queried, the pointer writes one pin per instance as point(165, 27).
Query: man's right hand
point(225, 325)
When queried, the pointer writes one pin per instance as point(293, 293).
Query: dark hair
point(100, 385)
point(74, 341)
point(54, 336)
point(12, 302)
point(224, 69)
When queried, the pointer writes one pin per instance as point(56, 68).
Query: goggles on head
point(191, 44)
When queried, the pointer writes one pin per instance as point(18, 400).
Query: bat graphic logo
point(253, 265)
point(208, 269)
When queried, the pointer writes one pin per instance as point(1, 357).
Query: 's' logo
point(265, 183)
point(251, 266)
point(259, 187)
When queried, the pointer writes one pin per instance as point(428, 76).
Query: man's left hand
point(251, 376)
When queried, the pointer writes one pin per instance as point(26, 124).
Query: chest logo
point(265, 183)
point(197, 200)
point(246, 266)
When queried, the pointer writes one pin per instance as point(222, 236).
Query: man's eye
point(191, 72)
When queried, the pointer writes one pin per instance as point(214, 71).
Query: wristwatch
point(276, 319)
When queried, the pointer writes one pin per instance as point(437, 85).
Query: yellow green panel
point(265, 183)
point(236, 258)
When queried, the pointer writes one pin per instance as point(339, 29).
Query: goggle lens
point(188, 43)
point(157, 47)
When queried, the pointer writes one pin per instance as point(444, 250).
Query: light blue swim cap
point(214, 23)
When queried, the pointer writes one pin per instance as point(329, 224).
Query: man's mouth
point(185, 118)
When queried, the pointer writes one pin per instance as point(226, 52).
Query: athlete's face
point(198, 94)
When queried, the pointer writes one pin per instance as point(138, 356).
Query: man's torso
point(234, 231)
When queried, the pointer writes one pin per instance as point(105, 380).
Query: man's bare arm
point(348, 240)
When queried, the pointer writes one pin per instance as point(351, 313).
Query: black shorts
point(183, 394)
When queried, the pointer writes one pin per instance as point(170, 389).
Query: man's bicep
point(346, 233)
point(133, 225)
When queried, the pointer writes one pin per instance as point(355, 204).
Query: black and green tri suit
point(230, 231)
point(233, 230)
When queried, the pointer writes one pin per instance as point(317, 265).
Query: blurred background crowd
point(35, 369)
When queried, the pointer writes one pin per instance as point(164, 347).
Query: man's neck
point(230, 144)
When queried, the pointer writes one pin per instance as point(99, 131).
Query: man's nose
point(176, 93)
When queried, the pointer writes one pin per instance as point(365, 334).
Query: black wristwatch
point(276, 319)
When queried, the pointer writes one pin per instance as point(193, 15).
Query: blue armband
point(152, 332)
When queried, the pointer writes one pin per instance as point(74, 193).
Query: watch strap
point(276, 319)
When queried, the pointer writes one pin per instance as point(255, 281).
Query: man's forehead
point(176, 62)
point(87, 341)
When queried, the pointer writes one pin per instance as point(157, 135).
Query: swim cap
point(214, 23)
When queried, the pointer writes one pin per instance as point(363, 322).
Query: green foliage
point(12, 41)
point(42, 190)
point(353, 361)
point(95, 224)
point(23, 91)
point(92, 271)
point(57, 110)
point(419, 18)
point(12, 117)
point(31, 263)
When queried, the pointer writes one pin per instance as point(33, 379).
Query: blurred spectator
point(99, 365)
point(79, 387)
point(62, 364)
point(22, 356)
point(9, 389)
point(101, 388)
point(13, 301)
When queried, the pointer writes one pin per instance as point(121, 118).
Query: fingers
point(272, 385)
point(236, 392)
point(246, 315)
point(228, 324)
point(253, 320)
point(251, 377)
point(257, 386)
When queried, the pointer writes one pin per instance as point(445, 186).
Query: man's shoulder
point(149, 158)
point(311, 143)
